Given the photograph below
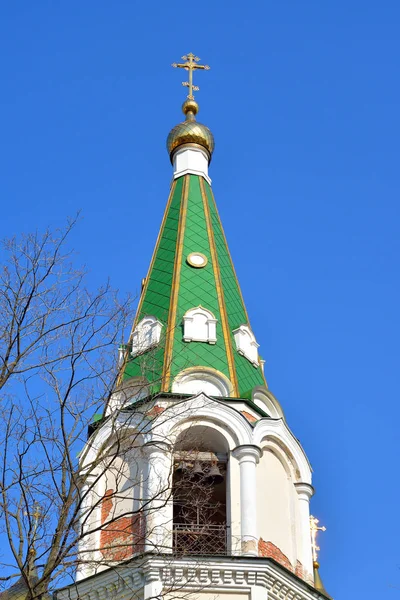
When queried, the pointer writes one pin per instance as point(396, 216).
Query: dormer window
point(246, 344)
point(146, 335)
point(199, 325)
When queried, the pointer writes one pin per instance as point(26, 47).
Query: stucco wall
point(275, 505)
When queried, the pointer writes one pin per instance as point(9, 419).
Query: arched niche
point(195, 380)
point(199, 325)
point(276, 506)
point(146, 335)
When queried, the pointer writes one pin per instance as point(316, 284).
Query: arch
point(263, 398)
point(246, 344)
point(146, 335)
point(273, 446)
point(203, 434)
point(277, 434)
point(195, 380)
point(199, 325)
point(103, 439)
point(207, 412)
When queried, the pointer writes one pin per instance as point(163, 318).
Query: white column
point(305, 491)
point(158, 497)
point(248, 457)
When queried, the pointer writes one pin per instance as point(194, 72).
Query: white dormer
point(199, 325)
point(246, 344)
point(147, 334)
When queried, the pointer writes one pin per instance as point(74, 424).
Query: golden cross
point(314, 531)
point(190, 65)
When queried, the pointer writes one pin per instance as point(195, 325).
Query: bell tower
point(193, 483)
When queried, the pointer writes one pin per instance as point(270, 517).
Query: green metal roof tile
point(196, 287)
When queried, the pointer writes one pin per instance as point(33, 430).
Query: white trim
point(263, 398)
point(276, 429)
point(246, 344)
point(197, 380)
point(146, 335)
point(191, 160)
point(214, 576)
point(199, 325)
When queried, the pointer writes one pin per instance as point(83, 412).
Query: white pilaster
point(305, 491)
point(153, 586)
point(248, 457)
point(191, 159)
point(158, 497)
point(87, 516)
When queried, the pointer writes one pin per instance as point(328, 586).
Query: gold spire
point(190, 65)
point(315, 549)
point(190, 131)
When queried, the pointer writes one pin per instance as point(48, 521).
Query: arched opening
point(200, 492)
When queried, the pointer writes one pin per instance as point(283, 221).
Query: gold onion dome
point(20, 591)
point(190, 131)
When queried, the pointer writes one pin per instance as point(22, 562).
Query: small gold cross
point(314, 532)
point(190, 65)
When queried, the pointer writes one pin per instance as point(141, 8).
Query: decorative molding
point(197, 260)
point(199, 325)
point(146, 335)
point(195, 380)
point(263, 398)
point(247, 452)
point(214, 576)
point(246, 344)
point(304, 489)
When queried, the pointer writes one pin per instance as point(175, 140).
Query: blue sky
point(303, 100)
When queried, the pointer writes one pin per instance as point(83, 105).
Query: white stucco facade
point(267, 482)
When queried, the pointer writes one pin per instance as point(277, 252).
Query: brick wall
point(249, 416)
point(121, 537)
point(269, 550)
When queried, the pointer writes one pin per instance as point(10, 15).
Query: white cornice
point(211, 574)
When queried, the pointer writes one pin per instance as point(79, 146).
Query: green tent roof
point(191, 224)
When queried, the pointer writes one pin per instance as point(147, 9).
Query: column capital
point(247, 453)
point(304, 489)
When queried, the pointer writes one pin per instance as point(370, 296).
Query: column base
point(249, 548)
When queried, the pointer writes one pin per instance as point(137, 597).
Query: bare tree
point(67, 504)
point(57, 368)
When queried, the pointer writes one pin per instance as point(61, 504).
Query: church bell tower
point(194, 485)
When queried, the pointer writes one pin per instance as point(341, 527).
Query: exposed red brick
point(249, 417)
point(155, 411)
point(122, 538)
point(269, 550)
point(300, 570)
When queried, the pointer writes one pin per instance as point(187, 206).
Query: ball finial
point(190, 108)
